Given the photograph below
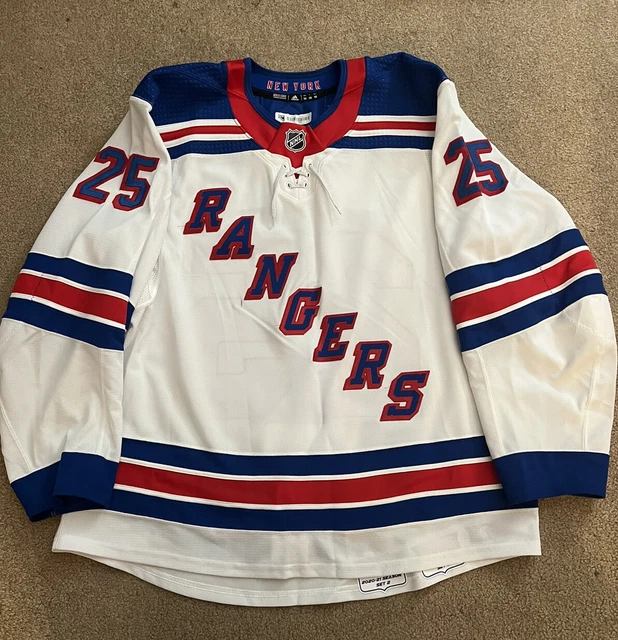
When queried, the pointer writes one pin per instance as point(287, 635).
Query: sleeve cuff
point(544, 474)
point(79, 481)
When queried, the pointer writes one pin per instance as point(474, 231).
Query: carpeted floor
point(540, 79)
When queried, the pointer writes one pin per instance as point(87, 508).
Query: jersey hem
point(473, 558)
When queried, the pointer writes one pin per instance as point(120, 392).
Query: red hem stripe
point(413, 126)
point(482, 303)
point(281, 492)
point(200, 129)
point(95, 304)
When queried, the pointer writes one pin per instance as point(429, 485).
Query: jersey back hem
point(353, 589)
point(474, 541)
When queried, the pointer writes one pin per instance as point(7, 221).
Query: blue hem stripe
point(344, 519)
point(79, 481)
point(545, 474)
point(384, 142)
point(480, 274)
point(50, 319)
point(96, 277)
point(305, 465)
point(207, 147)
point(477, 335)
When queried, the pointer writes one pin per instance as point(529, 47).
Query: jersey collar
point(332, 125)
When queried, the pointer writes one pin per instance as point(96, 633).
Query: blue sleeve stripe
point(384, 142)
point(305, 465)
point(130, 311)
point(85, 274)
point(40, 315)
point(78, 481)
point(212, 147)
point(481, 274)
point(348, 519)
point(476, 335)
point(545, 474)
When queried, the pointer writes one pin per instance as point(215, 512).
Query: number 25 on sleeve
point(117, 163)
point(490, 178)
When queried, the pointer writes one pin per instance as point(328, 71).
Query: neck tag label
point(294, 118)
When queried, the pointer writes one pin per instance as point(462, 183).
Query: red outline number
point(118, 164)
point(472, 164)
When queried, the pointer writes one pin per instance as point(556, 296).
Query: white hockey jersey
point(298, 338)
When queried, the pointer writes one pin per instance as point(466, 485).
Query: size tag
point(382, 583)
point(294, 118)
point(293, 97)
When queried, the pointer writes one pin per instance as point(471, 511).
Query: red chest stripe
point(413, 126)
point(200, 130)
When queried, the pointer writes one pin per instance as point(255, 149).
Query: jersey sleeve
point(63, 333)
point(531, 314)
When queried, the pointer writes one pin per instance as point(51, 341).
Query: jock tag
point(294, 118)
point(382, 583)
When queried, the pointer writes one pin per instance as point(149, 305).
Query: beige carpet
point(539, 78)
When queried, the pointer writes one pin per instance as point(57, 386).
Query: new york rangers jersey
point(296, 338)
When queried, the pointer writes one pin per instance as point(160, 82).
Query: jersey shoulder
point(401, 84)
point(186, 92)
point(396, 84)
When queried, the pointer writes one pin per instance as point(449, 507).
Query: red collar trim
point(273, 138)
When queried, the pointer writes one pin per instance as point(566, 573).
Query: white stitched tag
point(294, 118)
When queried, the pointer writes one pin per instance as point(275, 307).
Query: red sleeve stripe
point(501, 297)
point(307, 492)
point(99, 305)
point(169, 136)
point(414, 126)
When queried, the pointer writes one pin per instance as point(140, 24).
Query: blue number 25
point(118, 164)
point(472, 164)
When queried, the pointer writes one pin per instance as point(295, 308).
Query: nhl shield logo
point(295, 140)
